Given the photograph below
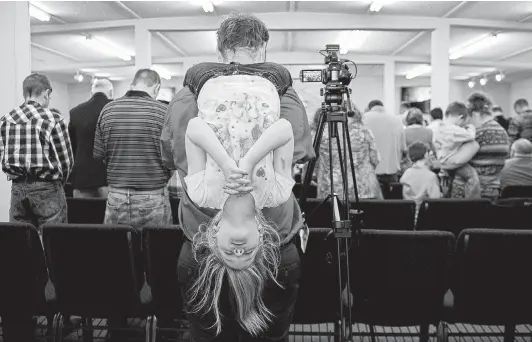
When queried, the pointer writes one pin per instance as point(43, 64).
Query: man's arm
point(292, 109)
point(63, 148)
point(98, 150)
point(72, 134)
point(180, 111)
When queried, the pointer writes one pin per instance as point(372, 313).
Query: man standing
point(500, 117)
point(37, 156)
point(389, 137)
point(521, 106)
point(242, 41)
point(89, 178)
point(127, 139)
point(517, 170)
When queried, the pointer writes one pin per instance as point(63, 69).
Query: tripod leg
point(372, 333)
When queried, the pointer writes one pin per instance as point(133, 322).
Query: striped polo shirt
point(127, 139)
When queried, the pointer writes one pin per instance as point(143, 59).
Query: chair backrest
point(400, 278)
point(491, 282)
point(511, 213)
point(453, 215)
point(318, 301)
point(162, 246)
point(378, 214)
point(96, 269)
point(23, 271)
point(516, 191)
point(86, 210)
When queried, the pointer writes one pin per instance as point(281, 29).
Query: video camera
point(336, 76)
point(336, 71)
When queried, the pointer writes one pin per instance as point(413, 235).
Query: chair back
point(162, 246)
point(318, 301)
point(86, 210)
point(491, 283)
point(96, 269)
point(23, 271)
point(400, 278)
point(453, 215)
point(511, 213)
point(516, 191)
point(378, 214)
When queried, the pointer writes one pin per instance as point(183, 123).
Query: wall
point(60, 98)
point(498, 91)
point(520, 90)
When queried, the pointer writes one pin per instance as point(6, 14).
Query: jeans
point(471, 182)
point(38, 203)
point(280, 301)
point(138, 208)
point(385, 181)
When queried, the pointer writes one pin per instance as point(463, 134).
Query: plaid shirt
point(34, 144)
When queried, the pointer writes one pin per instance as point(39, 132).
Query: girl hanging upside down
point(239, 155)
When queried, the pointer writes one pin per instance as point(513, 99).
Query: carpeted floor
point(312, 333)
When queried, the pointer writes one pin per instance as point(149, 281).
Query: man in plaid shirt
point(36, 155)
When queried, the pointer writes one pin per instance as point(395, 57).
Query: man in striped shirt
point(127, 139)
point(36, 155)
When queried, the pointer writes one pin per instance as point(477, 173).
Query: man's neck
point(38, 101)
point(242, 58)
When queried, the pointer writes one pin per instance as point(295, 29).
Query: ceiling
point(64, 54)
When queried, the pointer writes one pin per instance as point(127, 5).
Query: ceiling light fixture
point(474, 47)
point(352, 40)
point(39, 14)
point(471, 84)
point(483, 81)
point(107, 47)
point(78, 77)
point(499, 77)
point(376, 6)
point(419, 71)
point(162, 72)
point(207, 6)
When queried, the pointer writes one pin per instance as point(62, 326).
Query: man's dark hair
point(436, 113)
point(241, 30)
point(147, 76)
point(374, 103)
point(35, 84)
point(456, 108)
point(497, 109)
point(417, 151)
point(521, 103)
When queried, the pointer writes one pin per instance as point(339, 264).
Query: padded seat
point(97, 271)
point(377, 214)
point(512, 213)
point(399, 278)
point(516, 191)
point(453, 215)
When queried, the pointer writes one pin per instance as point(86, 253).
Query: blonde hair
point(246, 285)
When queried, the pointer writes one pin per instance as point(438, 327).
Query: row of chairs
point(452, 215)
point(398, 278)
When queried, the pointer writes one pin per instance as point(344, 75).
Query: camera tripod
point(342, 215)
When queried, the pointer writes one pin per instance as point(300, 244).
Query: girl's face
point(238, 237)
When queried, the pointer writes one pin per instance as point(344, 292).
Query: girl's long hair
point(246, 285)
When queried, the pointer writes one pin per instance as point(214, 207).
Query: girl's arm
point(202, 139)
point(275, 136)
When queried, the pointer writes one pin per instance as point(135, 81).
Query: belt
point(33, 180)
point(129, 192)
